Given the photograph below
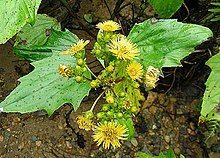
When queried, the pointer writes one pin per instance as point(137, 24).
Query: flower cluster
point(120, 80)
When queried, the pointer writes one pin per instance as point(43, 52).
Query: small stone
point(192, 126)
point(1, 138)
point(34, 138)
point(151, 133)
point(16, 120)
point(68, 144)
point(154, 127)
point(134, 142)
point(177, 151)
point(21, 146)
point(38, 143)
point(117, 155)
point(153, 110)
point(167, 139)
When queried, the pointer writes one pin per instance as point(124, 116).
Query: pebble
point(34, 138)
point(177, 151)
point(38, 143)
point(21, 146)
point(192, 126)
point(134, 142)
point(68, 144)
point(153, 110)
point(1, 138)
point(167, 139)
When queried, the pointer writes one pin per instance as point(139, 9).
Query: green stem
point(90, 71)
point(95, 102)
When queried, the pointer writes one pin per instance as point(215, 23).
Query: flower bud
point(89, 114)
point(110, 99)
point(94, 83)
point(78, 79)
point(80, 62)
point(110, 68)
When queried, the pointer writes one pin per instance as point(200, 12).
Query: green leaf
point(143, 155)
point(166, 8)
point(57, 41)
point(38, 33)
point(169, 154)
point(211, 97)
point(14, 14)
point(44, 88)
point(163, 43)
point(128, 123)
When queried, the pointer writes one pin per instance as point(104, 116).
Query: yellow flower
point(109, 134)
point(76, 47)
point(135, 71)
point(65, 71)
point(123, 48)
point(108, 26)
point(151, 77)
point(84, 123)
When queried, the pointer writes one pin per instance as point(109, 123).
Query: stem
point(90, 71)
point(95, 102)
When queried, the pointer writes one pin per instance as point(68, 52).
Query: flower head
point(65, 71)
point(123, 48)
point(109, 134)
point(151, 77)
point(108, 26)
point(84, 123)
point(76, 47)
point(135, 71)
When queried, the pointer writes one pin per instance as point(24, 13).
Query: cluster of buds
point(120, 80)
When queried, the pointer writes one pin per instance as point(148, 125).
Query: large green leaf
point(14, 14)
point(163, 43)
point(166, 8)
point(169, 154)
point(211, 97)
point(57, 41)
point(38, 33)
point(45, 88)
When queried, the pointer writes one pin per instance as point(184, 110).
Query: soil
point(169, 116)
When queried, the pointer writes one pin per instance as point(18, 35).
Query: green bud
point(105, 107)
point(84, 69)
point(79, 79)
point(110, 68)
point(119, 115)
point(98, 52)
point(94, 83)
point(107, 37)
point(134, 109)
point(89, 114)
point(79, 55)
point(110, 114)
point(100, 115)
point(136, 85)
point(122, 94)
point(78, 68)
point(110, 99)
point(80, 62)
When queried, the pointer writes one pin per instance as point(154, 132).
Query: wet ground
point(169, 117)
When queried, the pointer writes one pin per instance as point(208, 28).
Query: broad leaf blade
point(14, 14)
point(38, 33)
point(45, 88)
point(57, 41)
point(166, 8)
point(211, 97)
point(163, 43)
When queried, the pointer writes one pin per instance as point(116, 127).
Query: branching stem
point(95, 102)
